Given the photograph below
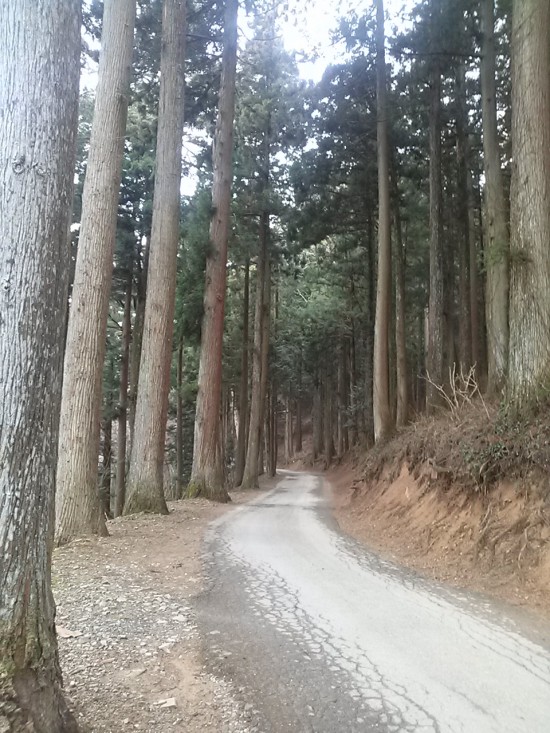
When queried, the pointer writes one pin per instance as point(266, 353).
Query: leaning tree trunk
point(529, 373)
point(146, 476)
point(383, 421)
point(39, 67)
point(77, 502)
point(497, 245)
point(207, 474)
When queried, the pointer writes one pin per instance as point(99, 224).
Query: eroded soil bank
point(422, 501)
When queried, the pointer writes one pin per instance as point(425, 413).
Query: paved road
point(320, 635)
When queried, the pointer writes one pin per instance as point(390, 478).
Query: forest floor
point(129, 648)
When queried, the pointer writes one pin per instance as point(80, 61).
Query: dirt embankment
point(466, 501)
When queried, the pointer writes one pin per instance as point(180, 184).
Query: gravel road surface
point(318, 634)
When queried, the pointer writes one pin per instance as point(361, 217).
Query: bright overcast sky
point(310, 30)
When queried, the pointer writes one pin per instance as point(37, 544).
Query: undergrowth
point(477, 446)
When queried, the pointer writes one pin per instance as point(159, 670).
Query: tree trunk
point(529, 375)
point(146, 476)
point(383, 422)
point(317, 418)
point(107, 468)
point(260, 358)
point(327, 416)
point(436, 344)
point(207, 476)
point(243, 391)
point(137, 338)
point(369, 336)
point(77, 500)
point(120, 492)
point(39, 69)
point(497, 238)
point(401, 371)
point(464, 202)
point(475, 289)
point(179, 423)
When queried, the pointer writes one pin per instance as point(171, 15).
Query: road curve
point(319, 635)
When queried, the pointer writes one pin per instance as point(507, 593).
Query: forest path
point(318, 634)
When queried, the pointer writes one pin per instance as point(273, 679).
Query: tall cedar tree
point(435, 361)
point(77, 505)
point(207, 475)
point(383, 422)
point(497, 247)
point(145, 479)
point(39, 92)
point(529, 374)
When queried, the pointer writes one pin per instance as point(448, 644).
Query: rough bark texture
point(529, 373)
point(120, 491)
point(243, 390)
point(146, 475)
point(402, 376)
point(463, 164)
point(77, 505)
point(39, 66)
point(436, 346)
point(179, 424)
point(137, 337)
point(383, 422)
point(259, 360)
point(497, 237)
point(207, 475)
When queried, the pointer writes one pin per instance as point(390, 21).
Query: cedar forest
point(357, 252)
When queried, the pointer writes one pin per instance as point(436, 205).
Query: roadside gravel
point(129, 647)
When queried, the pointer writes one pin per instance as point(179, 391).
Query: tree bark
point(327, 416)
point(39, 69)
point(207, 475)
point(260, 358)
point(464, 202)
point(369, 336)
point(243, 390)
point(436, 344)
point(317, 418)
point(497, 237)
point(383, 421)
point(179, 424)
point(529, 374)
point(77, 502)
point(145, 490)
point(137, 337)
point(107, 469)
point(120, 491)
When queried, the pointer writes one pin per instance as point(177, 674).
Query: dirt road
point(317, 634)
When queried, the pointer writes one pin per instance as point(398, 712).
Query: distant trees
point(39, 63)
